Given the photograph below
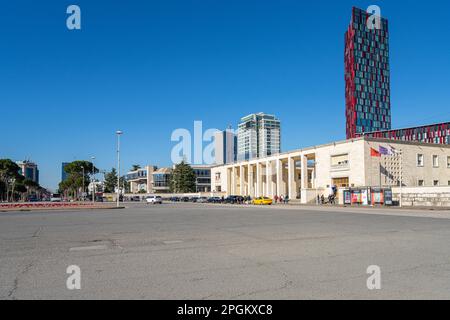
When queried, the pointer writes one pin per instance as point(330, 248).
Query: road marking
point(172, 242)
point(102, 247)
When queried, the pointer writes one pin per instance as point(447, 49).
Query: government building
point(356, 163)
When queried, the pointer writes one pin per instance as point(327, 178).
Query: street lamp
point(82, 167)
point(118, 133)
point(93, 180)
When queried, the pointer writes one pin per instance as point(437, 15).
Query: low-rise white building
point(303, 174)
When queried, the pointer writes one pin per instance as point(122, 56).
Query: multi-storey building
point(367, 75)
point(151, 179)
point(433, 133)
point(63, 171)
point(225, 147)
point(29, 170)
point(258, 136)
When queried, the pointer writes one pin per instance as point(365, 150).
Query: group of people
point(331, 199)
point(281, 199)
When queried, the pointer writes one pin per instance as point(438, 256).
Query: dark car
point(234, 200)
point(184, 199)
point(214, 200)
point(175, 199)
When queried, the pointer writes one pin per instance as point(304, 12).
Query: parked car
point(234, 200)
point(175, 199)
point(184, 199)
point(263, 201)
point(214, 200)
point(56, 197)
point(154, 200)
point(202, 200)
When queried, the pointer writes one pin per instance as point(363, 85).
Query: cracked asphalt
point(200, 251)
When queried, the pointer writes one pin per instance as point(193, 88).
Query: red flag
point(375, 153)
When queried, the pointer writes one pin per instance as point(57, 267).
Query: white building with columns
point(303, 174)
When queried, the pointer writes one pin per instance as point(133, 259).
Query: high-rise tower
point(258, 136)
point(367, 75)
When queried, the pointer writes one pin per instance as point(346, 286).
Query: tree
point(135, 167)
point(10, 178)
point(111, 181)
point(183, 178)
point(73, 186)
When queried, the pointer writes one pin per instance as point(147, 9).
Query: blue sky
point(150, 67)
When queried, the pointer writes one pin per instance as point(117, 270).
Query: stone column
point(233, 181)
point(242, 181)
point(251, 188)
point(291, 179)
point(268, 182)
point(304, 179)
point(258, 179)
point(229, 182)
point(279, 169)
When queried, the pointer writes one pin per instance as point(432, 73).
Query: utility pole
point(401, 179)
point(118, 133)
point(82, 167)
point(93, 180)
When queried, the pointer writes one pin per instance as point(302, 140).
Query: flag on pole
point(375, 153)
point(386, 151)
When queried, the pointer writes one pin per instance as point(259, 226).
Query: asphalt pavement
point(202, 251)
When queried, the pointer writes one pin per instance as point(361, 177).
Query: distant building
point(161, 180)
point(63, 171)
point(225, 147)
point(434, 133)
point(258, 136)
point(141, 180)
point(151, 179)
point(202, 178)
point(367, 76)
point(29, 170)
point(367, 87)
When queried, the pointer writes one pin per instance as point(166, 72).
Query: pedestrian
point(286, 199)
point(275, 198)
point(281, 199)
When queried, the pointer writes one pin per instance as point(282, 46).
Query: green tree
point(11, 178)
point(111, 181)
point(183, 178)
point(135, 167)
point(73, 186)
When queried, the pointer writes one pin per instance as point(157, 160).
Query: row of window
point(374, 110)
point(435, 183)
point(434, 160)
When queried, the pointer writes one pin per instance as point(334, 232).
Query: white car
point(154, 199)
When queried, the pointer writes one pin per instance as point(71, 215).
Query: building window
point(436, 183)
point(339, 161)
point(421, 183)
point(420, 160)
point(448, 162)
point(435, 161)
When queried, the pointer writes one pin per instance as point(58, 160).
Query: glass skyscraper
point(258, 136)
point(367, 76)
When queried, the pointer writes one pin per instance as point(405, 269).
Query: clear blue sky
point(149, 67)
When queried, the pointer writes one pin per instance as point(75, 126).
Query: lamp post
point(118, 133)
point(82, 167)
point(93, 180)
point(401, 179)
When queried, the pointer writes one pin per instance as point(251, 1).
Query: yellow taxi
point(262, 201)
